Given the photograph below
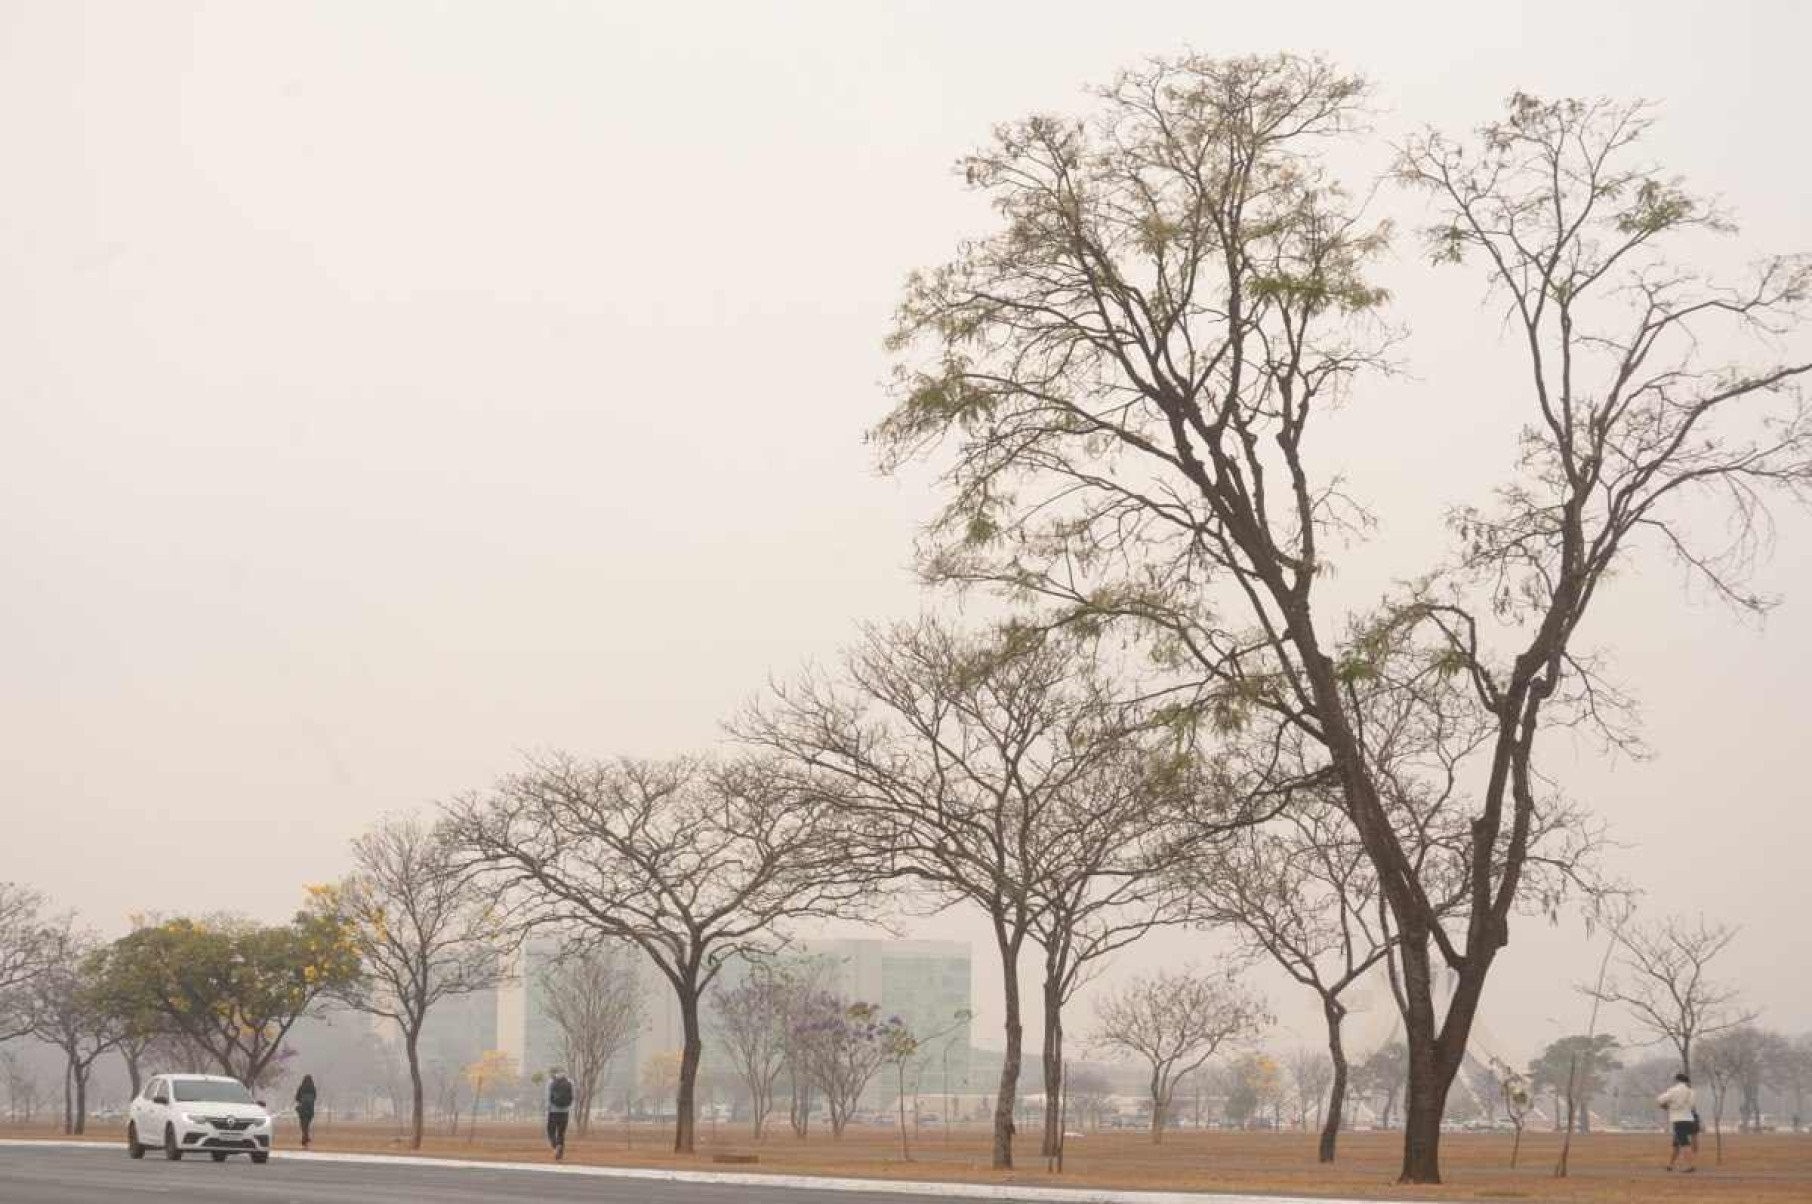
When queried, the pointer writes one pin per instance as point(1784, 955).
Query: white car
point(203, 1113)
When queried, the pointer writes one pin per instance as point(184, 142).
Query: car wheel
point(218, 1155)
point(261, 1157)
point(171, 1150)
point(133, 1148)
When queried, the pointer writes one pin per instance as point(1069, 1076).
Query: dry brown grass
point(1608, 1168)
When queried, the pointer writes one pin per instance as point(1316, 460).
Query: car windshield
point(213, 1091)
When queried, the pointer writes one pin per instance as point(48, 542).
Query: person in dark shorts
point(305, 1106)
point(559, 1107)
point(1683, 1119)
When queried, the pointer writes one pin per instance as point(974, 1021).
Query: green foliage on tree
point(1582, 1061)
point(225, 985)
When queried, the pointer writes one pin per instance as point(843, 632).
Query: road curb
point(899, 1187)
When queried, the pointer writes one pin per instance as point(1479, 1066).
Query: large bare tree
point(593, 997)
point(994, 769)
point(1134, 365)
point(689, 862)
point(1174, 1021)
point(423, 929)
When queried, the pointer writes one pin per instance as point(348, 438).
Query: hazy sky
point(387, 389)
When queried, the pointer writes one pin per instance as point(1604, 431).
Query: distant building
point(523, 1029)
point(925, 983)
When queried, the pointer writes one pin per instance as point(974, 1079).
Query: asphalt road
point(100, 1176)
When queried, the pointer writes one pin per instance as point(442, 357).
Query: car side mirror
point(264, 1105)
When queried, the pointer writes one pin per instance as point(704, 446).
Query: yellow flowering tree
point(227, 986)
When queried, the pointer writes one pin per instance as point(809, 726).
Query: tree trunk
point(799, 1110)
point(68, 1097)
point(1053, 1062)
point(410, 1039)
point(1435, 1053)
point(1334, 1013)
point(1009, 1068)
point(81, 1099)
point(685, 1122)
point(905, 1150)
point(134, 1075)
point(1426, 1092)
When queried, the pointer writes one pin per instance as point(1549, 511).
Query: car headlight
point(194, 1120)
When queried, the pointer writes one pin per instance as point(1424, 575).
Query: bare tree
point(754, 1020)
point(1312, 1074)
point(1301, 891)
point(1742, 1058)
point(1175, 1022)
point(1721, 1065)
point(1114, 840)
point(1793, 1074)
point(689, 862)
point(1087, 1090)
point(593, 998)
point(1132, 363)
point(797, 1004)
point(66, 1012)
point(1662, 980)
point(995, 770)
point(423, 930)
point(21, 1087)
point(29, 943)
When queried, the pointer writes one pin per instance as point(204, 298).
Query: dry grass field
point(1606, 1168)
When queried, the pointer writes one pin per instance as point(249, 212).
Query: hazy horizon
point(389, 391)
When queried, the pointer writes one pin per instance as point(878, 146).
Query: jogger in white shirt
point(1677, 1102)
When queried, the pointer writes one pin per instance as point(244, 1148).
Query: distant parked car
point(203, 1113)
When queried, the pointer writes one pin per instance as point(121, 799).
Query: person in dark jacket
point(559, 1107)
point(305, 1106)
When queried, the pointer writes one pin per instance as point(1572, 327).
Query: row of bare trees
point(997, 770)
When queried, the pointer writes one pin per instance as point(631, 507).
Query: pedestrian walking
point(1683, 1121)
point(559, 1107)
point(305, 1106)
